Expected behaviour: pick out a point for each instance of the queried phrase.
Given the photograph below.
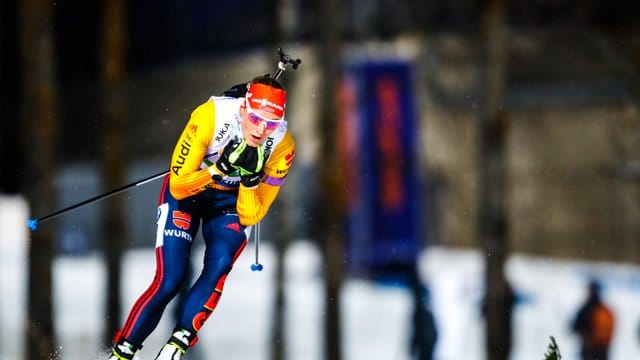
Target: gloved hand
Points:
(250, 180)
(248, 160)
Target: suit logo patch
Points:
(289, 157)
(181, 219)
(234, 226)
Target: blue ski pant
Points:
(178, 222)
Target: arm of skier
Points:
(254, 202)
(186, 177)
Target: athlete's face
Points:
(257, 125)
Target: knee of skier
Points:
(223, 264)
(218, 266)
(170, 286)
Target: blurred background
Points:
(464, 170)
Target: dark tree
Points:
(40, 118)
(492, 134)
(113, 145)
(329, 212)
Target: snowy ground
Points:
(376, 317)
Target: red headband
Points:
(267, 98)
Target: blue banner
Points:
(378, 134)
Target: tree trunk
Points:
(280, 237)
(40, 115)
(330, 219)
(11, 159)
(114, 156)
(493, 220)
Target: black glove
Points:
(250, 180)
(247, 160)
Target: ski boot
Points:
(123, 350)
(177, 345)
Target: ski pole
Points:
(256, 266)
(33, 223)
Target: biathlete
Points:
(226, 170)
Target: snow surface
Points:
(376, 317)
